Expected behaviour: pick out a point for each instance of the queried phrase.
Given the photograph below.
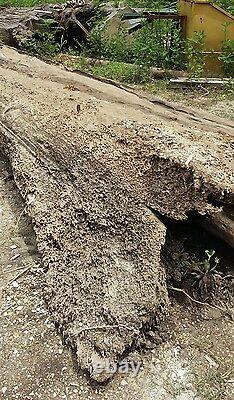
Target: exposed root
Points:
(223, 310)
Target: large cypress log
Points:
(91, 160)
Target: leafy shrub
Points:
(123, 72)
(195, 54)
(42, 44)
(227, 5)
(115, 47)
(156, 44)
(227, 54)
(227, 57)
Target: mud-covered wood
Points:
(91, 161)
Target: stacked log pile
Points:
(20, 24)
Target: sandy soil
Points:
(217, 101)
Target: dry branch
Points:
(201, 303)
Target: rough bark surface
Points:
(221, 224)
(19, 24)
(91, 161)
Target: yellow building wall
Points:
(204, 16)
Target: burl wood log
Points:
(95, 176)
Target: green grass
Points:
(213, 385)
(28, 3)
(118, 71)
(122, 72)
(152, 4)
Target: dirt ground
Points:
(194, 363)
(218, 101)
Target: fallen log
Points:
(94, 172)
(221, 225)
(104, 283)
(18, 25)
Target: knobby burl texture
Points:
(89, 179)
(99, 241)
(101, 253)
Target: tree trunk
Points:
(19, 24)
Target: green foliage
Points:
(115, 47)
(113, 70)
(227, 57)
(156, 44)
(28, 3)
(227, 54)
(227, 5)
(195, 54)
(151, 4)
(42, 44)
(123, 72)
(46, 41)
(204, 273)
